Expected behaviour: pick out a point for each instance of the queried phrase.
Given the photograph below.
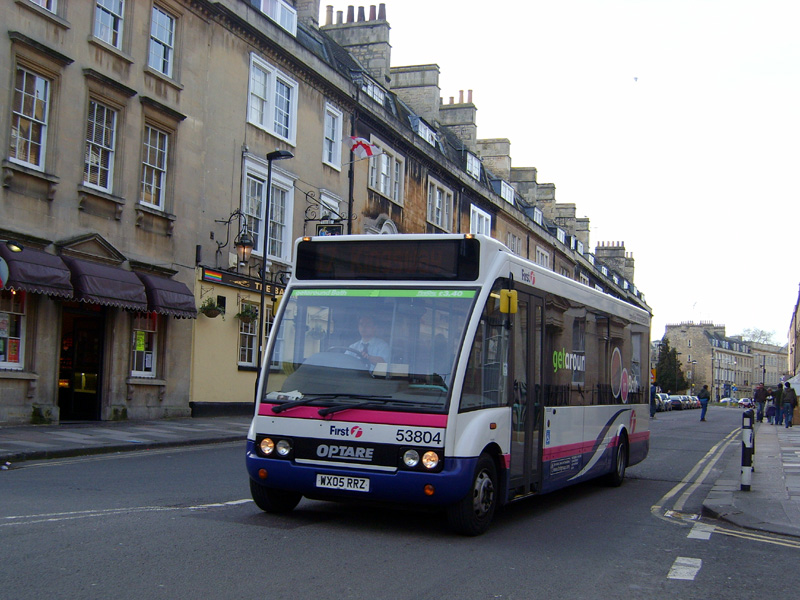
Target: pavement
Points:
(772, 504)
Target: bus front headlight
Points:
(430, 459)
(266, 446)
(283, 447)
(411, 458)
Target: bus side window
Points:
(485, 384)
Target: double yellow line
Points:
(693, 478)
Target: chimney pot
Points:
(469, 96)
(351, 14)
(361, 14)
(339, 17)
(329, 14)
(382, 11)
(461, 96)
(372, 12)
(451, 99)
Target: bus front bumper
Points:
(405, 487)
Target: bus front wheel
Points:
(273, 501)
(473, 514)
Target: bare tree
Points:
(760, 336)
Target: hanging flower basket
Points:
(210, 308)
(247, 314)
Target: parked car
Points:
(663, 403)
(695, 401)
(676, 402)
(747, 403)
(728, 401)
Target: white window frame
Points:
(263, 100)
(480, 221)
(282, 13)
(161, 53)
(154, 167)
(48, 5)
(253, 198)
(248, 338)
(561, 235)
(39, 118)
(473, 166)
(387, 172)
(426, 133)
(101, 140)
(507, 192)
(12, 307)
(109, 21)
(141, 322)
(328, 206)
(514, 243)
(584, 279)
(373, 90)
(281, 205)
(542, 257)
(538, 216)
(332, 137)
(440, 204)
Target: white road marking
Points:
(701, 531)
(89, 514)
(685, 568)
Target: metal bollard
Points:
(747, 449)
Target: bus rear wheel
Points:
(473, 514)
(274, 501)
(617, 476)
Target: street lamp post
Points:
(272, 156)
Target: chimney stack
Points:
(366, 40)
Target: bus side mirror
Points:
(508, 302)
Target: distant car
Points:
(676, 402)
(746, 403)
(696, 401)
(727, 401)
(663, 402)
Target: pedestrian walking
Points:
(770, 406)
(778, 404)
(704, 395)
(789, 404)
(653, 391)
(760, 398)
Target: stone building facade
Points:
(730, 366)
(136, 161)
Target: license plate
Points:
(338, 482)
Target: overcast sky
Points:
(674, 125)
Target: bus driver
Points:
(373, 350)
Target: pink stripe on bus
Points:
(356, 415)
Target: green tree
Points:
(669, 376)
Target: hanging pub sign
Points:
(331, 229)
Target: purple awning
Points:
(168, 297)
(98, 283)
(36, 271)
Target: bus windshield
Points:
(383, 348)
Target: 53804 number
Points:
(415, 436)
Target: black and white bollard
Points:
(747, 449)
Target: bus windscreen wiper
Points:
(301, 400)
(364, 401)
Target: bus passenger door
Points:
(526, 419)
